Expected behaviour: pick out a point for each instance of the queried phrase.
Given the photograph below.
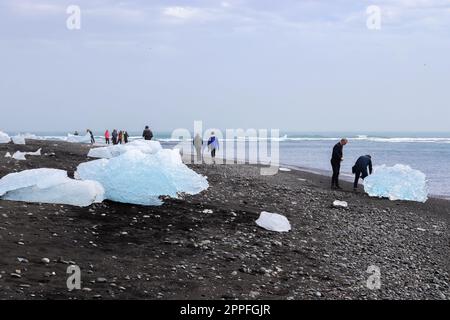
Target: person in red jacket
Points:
(107, 136)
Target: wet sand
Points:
(208, 246)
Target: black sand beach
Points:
(208, 246)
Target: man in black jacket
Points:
(336, 159)
(360, 169)
(147, 134)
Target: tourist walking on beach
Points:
(125, 137)
(92, 135)
(213, 145)
(147, 133)
(114, 136)
(107, 136)
(120, 136)
(198, 144)
(360, 169)
(336, 159)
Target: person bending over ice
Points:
(360, 169)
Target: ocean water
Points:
(428, 152)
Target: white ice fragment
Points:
(147, 147)
(35, 153)
(140, 178)
(207, 211)
(284, 169)
(19, 155)
(8, 155)
(273, 222)
(340, 204)
(4, 138)
(399, 182)
(50, 186)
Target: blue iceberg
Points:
(399, 182)
(141, 178)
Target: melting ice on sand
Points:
(50, 186)
(140, 173)
(399, 182)
(273, 222)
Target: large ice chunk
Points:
(140, 178)
(273, 222)
(148, 147)
(4, 138)
(50, 186)
(399, 182)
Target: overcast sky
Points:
(294, 65)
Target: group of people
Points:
(213, 145)
(116, 137)
(361, 169)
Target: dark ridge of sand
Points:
(180, 251)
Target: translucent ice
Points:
(8, 155)
(50, 186)
(148, 147)
(140, 178)
(4, 138)
(273, 222)
(399, 182)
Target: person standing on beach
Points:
(125, 137)
(114, 136)
(360, 169)
(107, 136)
(147, 133)
(120, 137)
(92, 135)
(336, 159)
(198, 144)
(213, 145)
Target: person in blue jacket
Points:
(213, 145)
(360, 169)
